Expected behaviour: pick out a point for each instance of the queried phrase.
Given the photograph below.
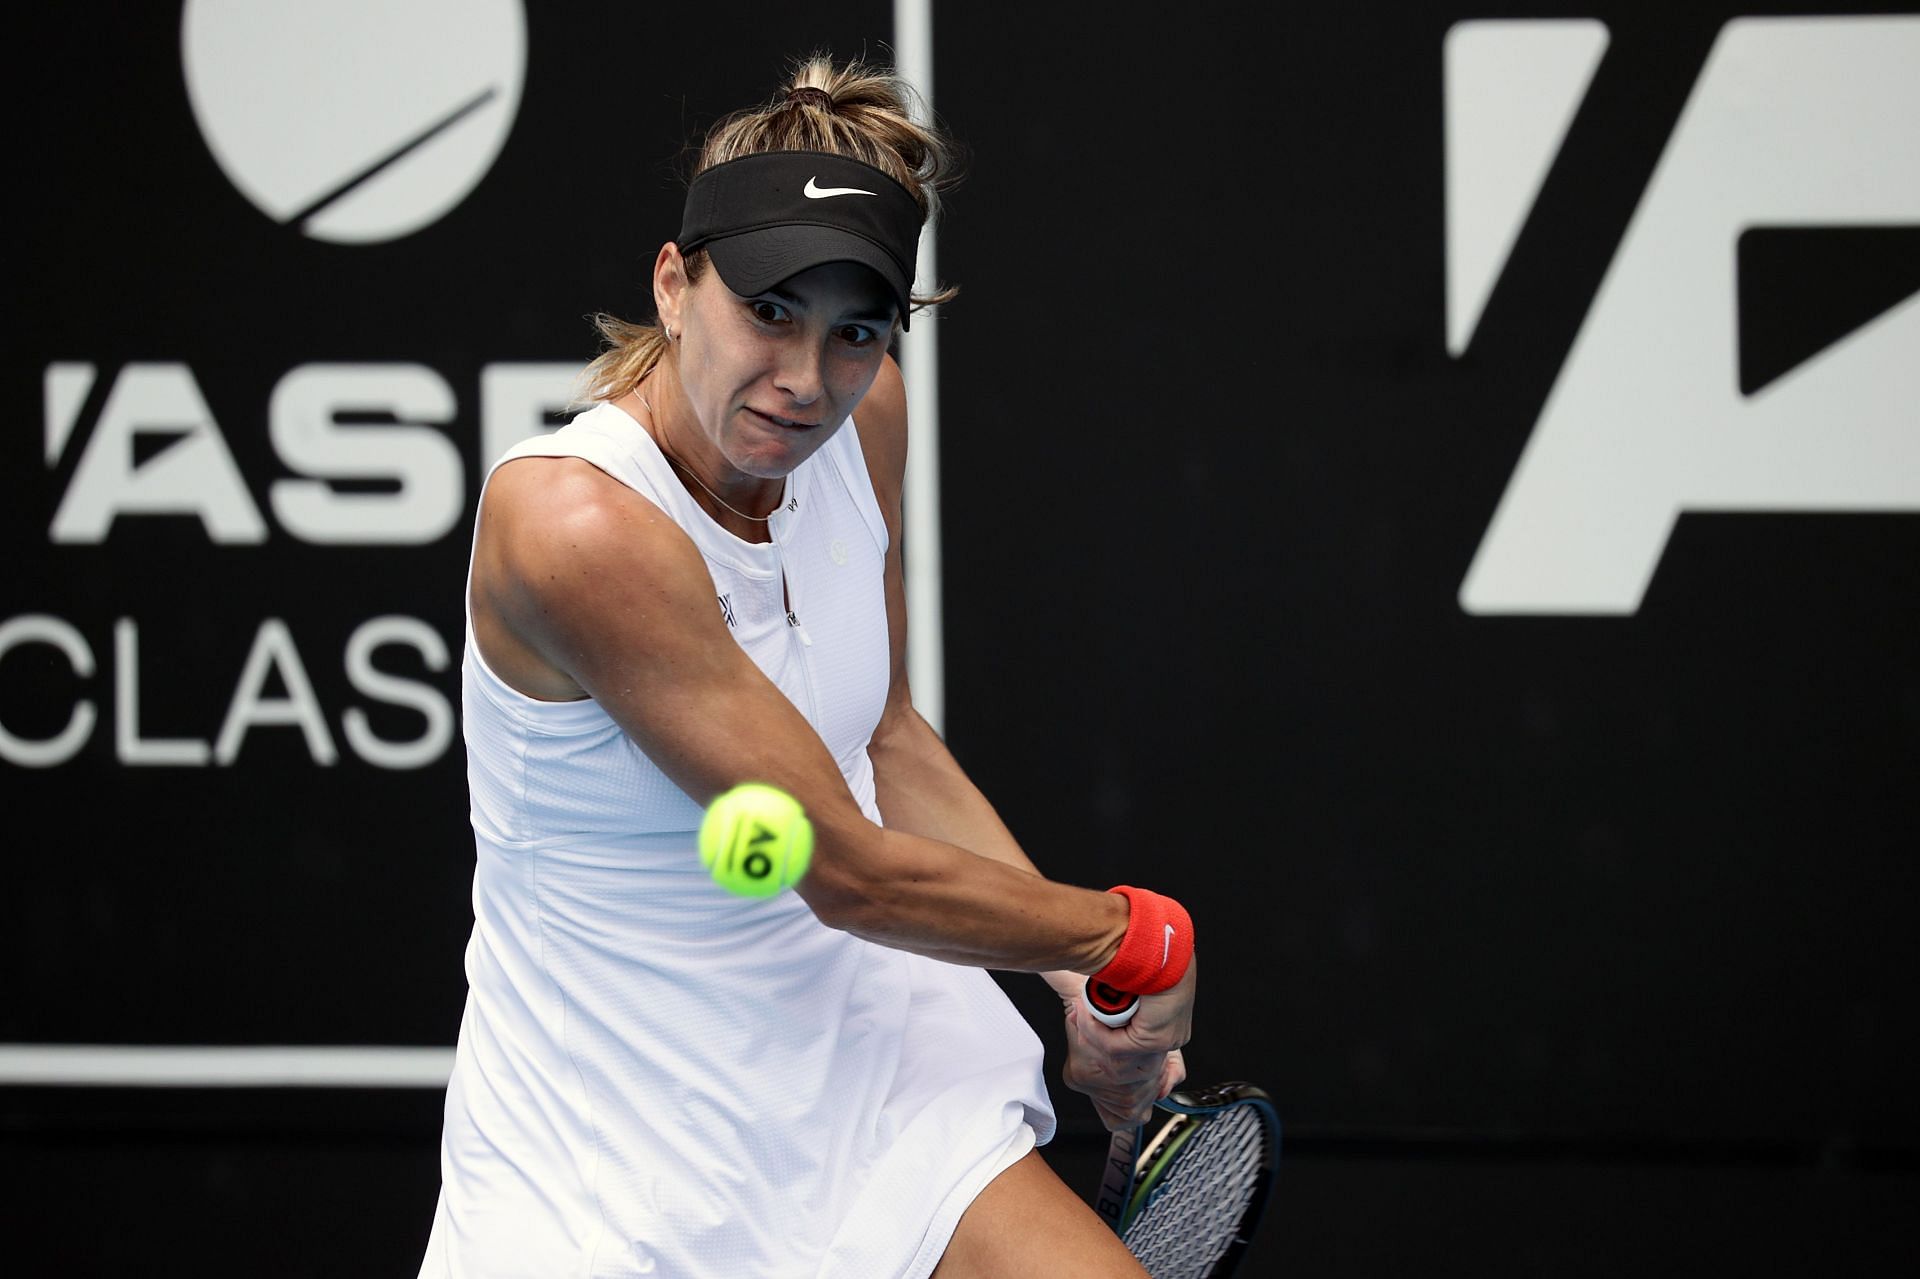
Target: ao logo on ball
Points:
(356, 120)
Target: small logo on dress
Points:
(793, 504)
(838, 550)
(726, 608)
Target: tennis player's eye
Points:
(856, 334)
(768, 312)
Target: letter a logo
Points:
(1794, 124)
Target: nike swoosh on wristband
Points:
(813, 192)
(1167, 948)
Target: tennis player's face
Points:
(773, 376)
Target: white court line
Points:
(135, 1066)
(290, 1066)
(920, 363)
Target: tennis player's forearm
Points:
(922, 790)
(933, 899)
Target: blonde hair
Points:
(859, 110)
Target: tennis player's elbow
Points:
(845, 890)
(829, 901)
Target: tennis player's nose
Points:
(801, 377)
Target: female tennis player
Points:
(695, 583)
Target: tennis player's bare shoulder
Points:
(882, 423)
(565, 552)
(537, 506)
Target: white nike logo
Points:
(1168, 948)
(813, 192)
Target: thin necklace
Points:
(688, 471)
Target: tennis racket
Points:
(1186, 1201)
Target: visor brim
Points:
(754, 261)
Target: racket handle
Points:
(1109, 1005)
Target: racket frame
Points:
(1134, 1174)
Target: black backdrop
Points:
(1566, 942)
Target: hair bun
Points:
(809, 96)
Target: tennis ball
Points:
(756, 840)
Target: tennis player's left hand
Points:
(1123, 1070)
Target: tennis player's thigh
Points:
(1027, 1225)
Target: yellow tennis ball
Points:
(756, 840)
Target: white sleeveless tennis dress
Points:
(655, 1077)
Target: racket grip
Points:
(1109, 1005)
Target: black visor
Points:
(765, 217)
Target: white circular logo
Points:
(356, 120)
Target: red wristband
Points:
(1154, 954)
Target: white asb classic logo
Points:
(356, 120)
(196, 475)
(1794, 122)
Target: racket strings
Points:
(1197, 1211)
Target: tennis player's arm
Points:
(920, 787)
(597, 584)
(922, 790)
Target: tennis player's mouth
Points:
(787, 422)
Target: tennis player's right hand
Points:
(1123, 1070)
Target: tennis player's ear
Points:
(669, 285)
